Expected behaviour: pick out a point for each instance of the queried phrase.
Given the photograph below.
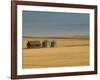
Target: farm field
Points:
(69, 52)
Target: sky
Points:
(40, 23)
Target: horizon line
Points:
(58, 37)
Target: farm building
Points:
(33, 44)
(46, 44)
(53, 43)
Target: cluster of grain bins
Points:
(43, 44)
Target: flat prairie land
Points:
(69, 52)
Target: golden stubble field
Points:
(69, 52)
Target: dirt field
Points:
(69, 52)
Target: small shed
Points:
(33, 44)
(46, 44)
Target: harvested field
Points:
(69, 52)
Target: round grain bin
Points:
(46, 44)
(43, 44)
(53, 43)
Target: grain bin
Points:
(46, 44)
(53, 43)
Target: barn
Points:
(33, 44)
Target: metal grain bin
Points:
(53, 43)
(46, 44)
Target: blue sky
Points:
(39, 23)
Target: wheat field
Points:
(69, 52)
